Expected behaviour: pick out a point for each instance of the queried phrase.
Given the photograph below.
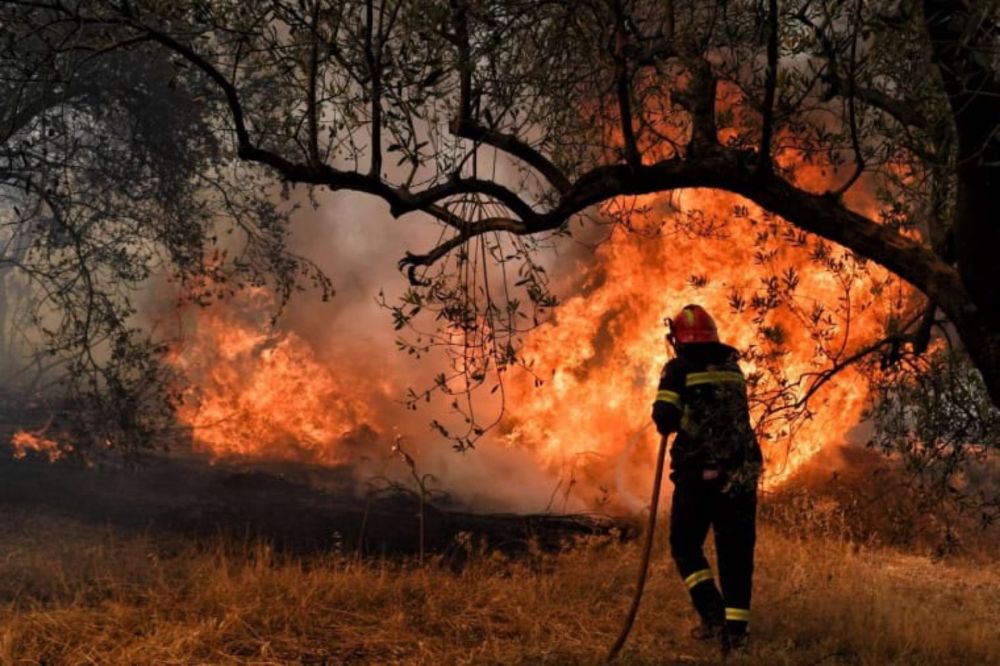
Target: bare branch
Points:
(623, 89)
(852, 116)
(905, 114)
(411, 262)
(375, 76)
(465, 63)
(311, 108)
(698, 98)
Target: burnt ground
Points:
(294, 508)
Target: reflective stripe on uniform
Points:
(669, 396)
(738, 614)
(698, 577)
(718, 377)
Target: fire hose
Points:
(646, 552)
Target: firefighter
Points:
(715, 462)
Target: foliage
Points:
(110, 175)
(506, 123)
(933, 411)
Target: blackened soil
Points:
(295, 508)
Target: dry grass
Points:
(72, 594)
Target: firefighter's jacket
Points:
(702, 396)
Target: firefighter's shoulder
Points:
(674, 372)
(733, 355)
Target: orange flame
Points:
(256, 394)
(602, 353)
(24, 441)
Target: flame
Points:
(24, 441)
(601, 355)
(256, 394)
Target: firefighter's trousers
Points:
(732, 513)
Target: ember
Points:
(24, 441)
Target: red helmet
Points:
(692, 324)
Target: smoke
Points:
(345, 350)
(354, 240)
(578, 440)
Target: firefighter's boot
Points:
(706, 631)
(734, 642)
(708, 602)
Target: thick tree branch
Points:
(623, 90)
(311, 107)
(770, 87)
(375, 76)
(961, 45)
(961, 41)
(401, 200)
(465, 64)
(727, 170)
(905, 114)
(411, 262)
(852, 115)
(706, 164)
(510, 144)
(698, 98)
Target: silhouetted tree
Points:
(506, 121)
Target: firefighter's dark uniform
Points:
(702, 397)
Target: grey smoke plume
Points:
(355, 241)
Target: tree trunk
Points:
(962, 50)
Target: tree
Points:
(505, 121)
(106, 176)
